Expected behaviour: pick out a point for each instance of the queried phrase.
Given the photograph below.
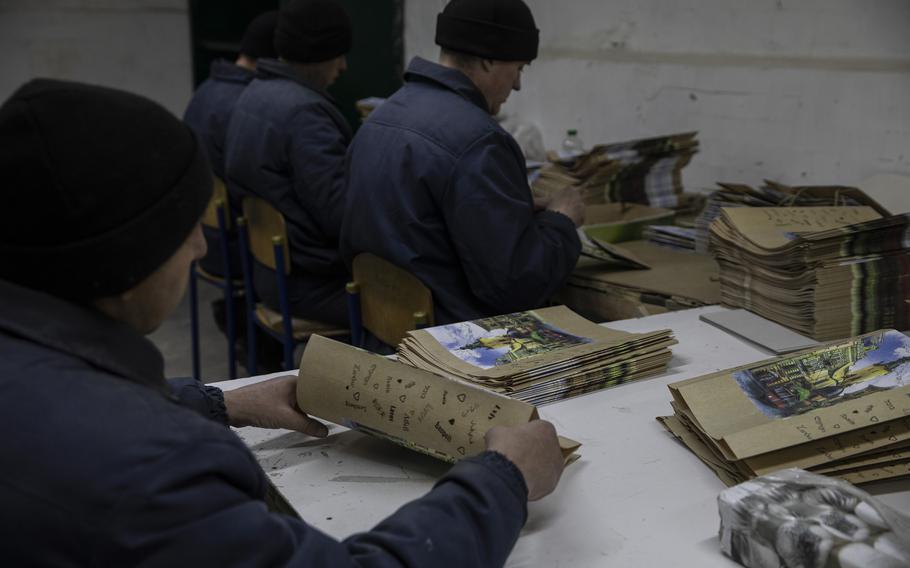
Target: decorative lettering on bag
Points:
(370, 371)
(423, 413)
(445, 435)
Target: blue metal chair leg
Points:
(231, 328)
(228, 288)
(194, 322)
(355, 317)
(288, 335)
(250, 297)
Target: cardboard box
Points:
(618, 222)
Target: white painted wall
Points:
(141, 46)
(800, 91)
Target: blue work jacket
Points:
(286, 144)
(208, 115)
(104, 463)
(209, 111)
(438, 188)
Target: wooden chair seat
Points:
(301, 328)
(386, 300)
(263, 234)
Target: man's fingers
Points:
(293, 419)
(312, 427)
(541, 202)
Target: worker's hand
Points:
(271, 404)
(568, 202)
(541, 202)
(534, 449)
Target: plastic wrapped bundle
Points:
(797, 519)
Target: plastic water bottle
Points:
(572, 146)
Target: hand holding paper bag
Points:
(534, 449)
(444, 417)
(270, 404)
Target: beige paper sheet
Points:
(558, 316)
(860, 448)
(724, 412)
(731, 473)
(875, 473)
(701, 451)
(673, 274)
(767, 227)
(443, 417)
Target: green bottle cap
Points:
(572, 132)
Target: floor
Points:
(174, 341)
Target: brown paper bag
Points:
(443, 417)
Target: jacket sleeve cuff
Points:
(206, 400)
(559, 221)
(504, 469)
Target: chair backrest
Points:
(219, 200)
(265, 224)
(389, 298)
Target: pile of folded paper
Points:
(537, 356)
(671, 236)
(825, 272)
(773, 194)
(835, 409)
(645, 171)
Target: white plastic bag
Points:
(796, 519)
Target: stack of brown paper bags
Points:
(637, 171)
(619, 222)
(537, 356)
(840, 410)
(671, 236)
(825, 272)
(608, 254)
(676, 280)
(438, 416)
(774, 194)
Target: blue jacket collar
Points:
(275, 69)
(81, 332)
(452, 79)
(224, 70)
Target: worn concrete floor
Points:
(174, 340)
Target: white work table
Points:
(636, 497)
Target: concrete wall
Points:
(138, 45)
(801, 91)
(810, 91)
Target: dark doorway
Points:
(375, 64)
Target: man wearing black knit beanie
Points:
(210, 111)
(446, 187)
(286, 145)
(105, 463)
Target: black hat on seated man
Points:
(312, 31)
(259, 36)
(491, 29)
(100, 187)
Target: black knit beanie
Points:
(259, 36)
(100, 187)
(310, 31)
(492, 29)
